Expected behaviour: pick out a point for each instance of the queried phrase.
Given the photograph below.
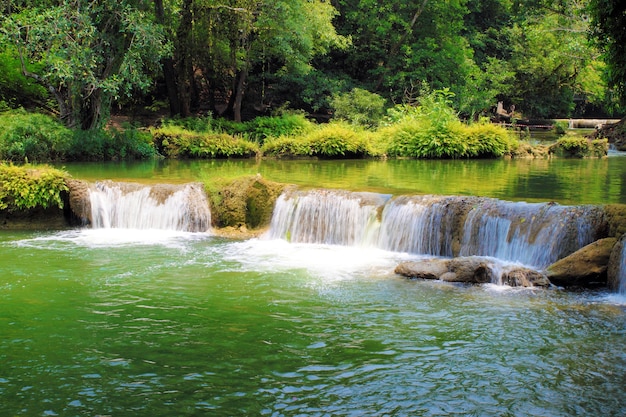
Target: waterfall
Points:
(326, 216)
(419, 224)
(534, 234)
(621, 272)
(137, 206)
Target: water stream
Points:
(152, 318)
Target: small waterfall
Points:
(137, 206)
(621, 272)
(419, 224)
(534, 234)
(326, 216)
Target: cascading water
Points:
(419, 224)
(621, 273)
(136, 206)
(326, 216)
(534, 234)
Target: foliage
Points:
(175, 142)
(333, 140)
(29, 187)
(15, 88)
(579, 147)
(359, 107)
(32, 137)
(488, 140)
(433, 130)
(106, 145)
(608, 20)
(86, 54)
(262, 128)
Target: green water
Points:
(151, 323)
(591, 181)
(125, 324)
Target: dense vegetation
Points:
(398, 77)
(29, 187)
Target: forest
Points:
(362, 61)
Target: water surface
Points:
(566, 181)
(147, 323)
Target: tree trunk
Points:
(184, 62)
(169, 73)
(241, 83)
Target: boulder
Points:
(423, 269)
(587, 267)
(524, 277)
(617, 265)
(79, 201)
(472, 270)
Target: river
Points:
(145, 322)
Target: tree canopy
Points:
(240, 58)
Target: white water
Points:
(134, 206)
(532, 234)
(417, 225)
(621, 273)
(535, 234)
(327, 217)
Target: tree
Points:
(86, 54)
(219, 44)
(608, 30)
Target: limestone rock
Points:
(585, 267)
(425, 269)
(524, 277)
(473, 270)
(79, 202)
(617, 264)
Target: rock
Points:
(424, 269)
(472, 269)
(524, 277)
(617, 264)
(79, 202)
(586, 267)
(247, 201)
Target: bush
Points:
(334, 140)
(176, 142)
(579, 147)
(103, 145)
(359, 107)
(28, 187)
(32, 137)
(262, 128)
(488, 140)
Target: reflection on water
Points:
(192, 325)
(566, 181)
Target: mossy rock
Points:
(616, 219)
(243, 202)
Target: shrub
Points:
(359, 107)
(579, 147)
(32, 137)
(262, 128)
(28, 187)
(177, 142)
(334, 140)
(488, 140)
(101, 145)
